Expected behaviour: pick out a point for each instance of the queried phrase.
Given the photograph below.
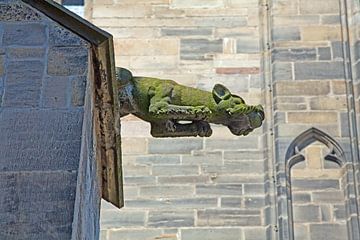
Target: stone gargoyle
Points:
(174, 110)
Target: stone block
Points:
(211, 233)
(301, 197)
(32, 34)
(211, 158)
(248, 45)
(312, 117)
(158, 219)
(171, 170)
(257, 233)
(337, 49)
(196, 4)
(338, 87)
(339, 212)
(293, 54)
(228, 217)
(139, 180)
(134, 145)
(328, 197)
(172, 203)
(219, 189)
(255, 189)
(17, 53)
(54, 93)
(115, 219)
(184, 179)
(249, 142)
(134, 234)
(324, 53)
(301, 231)
(319, 70)
(151, 63)
(320, 33)
(294, 20)
(329, 103)
(302, 88)
(60, 36)
(328, 231)
(231, 202)
(313, 184)
(158, 159)
(345, 131)
(245, 167)
(122, 10)
(47, 140)
(18, 12)
(186, 32)
(321, 7)
(23, 82)
(330, 19)
(78, 87)
(326, 213)
(256, 202)
(197, 49)
(136, 170)
(166, 191)
(173, 146)
(282, 71)
(243, 155)
(286, 34)
(67, 61)
(146, 47)
(306, 213)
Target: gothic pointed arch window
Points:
(316, 189)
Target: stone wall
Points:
(43, 76)
(189, 188)
(292, 56)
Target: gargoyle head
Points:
(240, 118)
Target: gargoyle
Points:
(174, 110)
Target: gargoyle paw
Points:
(170, 126)
(204, 129)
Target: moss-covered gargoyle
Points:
(174, 110)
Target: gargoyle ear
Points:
(220, 92)
(123, 75)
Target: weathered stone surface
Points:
(321, 33)
(196, 4)
(330, 19)
(114, 218)
(294, 54)
(324, 53)
(286, 34)
(171, 219)
(54, 93)
(322, 6)
(306, 213)
(60, 36)
(158, 159)
(78, 86)
(134, 234)
(174, 145)
(319, 70)
(183, 179)
(47, 140)
(328, 231)
(66, 61)
(50, 194)
(2, 64)
(281, 71)
(211, 233)
(247, 45)
(337, 49)
(18, 12)
(228, 217)
(312, 117)
(229, 167)
(166, 191)
(171, 170)
(196, 49)
(23, 81)
(182, 203)
(328, 197)
(249, 142)
(25, 53)
(314, 184)
(186, 31)
(32, 34)
(219, 189)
